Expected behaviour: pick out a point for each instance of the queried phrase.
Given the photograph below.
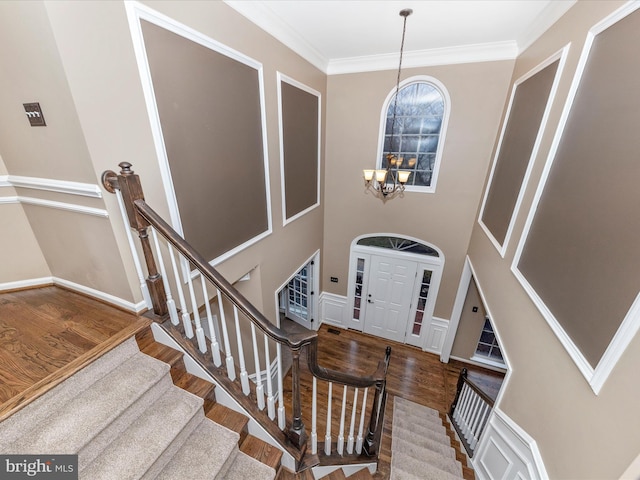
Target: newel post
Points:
(131, 189)
(297, 433)
(461, 378)
(370, 446)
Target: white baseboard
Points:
(507, 452)
(91, 292)
(29, 283)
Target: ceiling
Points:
(346, 36)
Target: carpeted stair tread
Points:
(433, 431)
(428, 443)
(414, 408)
(246, 468)
(434, 459)
(207, 454)
(430, 421)
(405, 467)
(14, 427)
(98, 407)
(145, 447)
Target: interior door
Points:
(391, 285)
(298, 304)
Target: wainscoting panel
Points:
(436, 333)
(333, 309)
(506, 452)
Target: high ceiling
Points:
(341, 36)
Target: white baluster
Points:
(360, 438)
(475, 429)
(314, 419)
(473, 424)
(327, 437)
(461, 405)
(342, 414)
(354, 407)
(215, 346)
(231, 369)
(202, 344)
(136, 260)
(256, 359)
(186, 319)
(171, 304)
(281, 409)
(244, 376)
(271, 407)
(469, 414)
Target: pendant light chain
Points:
(405, 14)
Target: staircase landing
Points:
(50, 333)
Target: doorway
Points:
(393, 285)
(297, 299)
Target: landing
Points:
(49, 333)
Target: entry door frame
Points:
(435, 264)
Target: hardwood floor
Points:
(413, 374)
(49, 333)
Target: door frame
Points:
(314, 286)
(435, 264)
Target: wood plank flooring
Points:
(413, 374)
(49, 333)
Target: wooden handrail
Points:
(141, 216)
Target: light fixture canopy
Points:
(389, 182)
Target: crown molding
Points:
(550, 15)
(486, 52)
(262, 16)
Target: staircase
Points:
(421, 448)
(126, 419)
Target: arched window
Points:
(413, 130)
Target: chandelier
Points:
(389, 182)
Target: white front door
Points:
(391, 286)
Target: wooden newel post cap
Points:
(125, 168)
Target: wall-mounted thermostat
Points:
(34, 114)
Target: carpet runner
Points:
(420, 447)
(125, 419)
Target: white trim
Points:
(631, 323)
(106, 297)
(456, 312)
(551, 14)
(486, 52)
(28, 283)
(486, 361)
(71, 207)
(4, 181)
(52, 185)
(517, 447)
(136, 12)
(8, 200)
(91, 292)
(501, 369)
(262, 16)
(560, 55)
(441, 136)
(333, 308)
(281, 77)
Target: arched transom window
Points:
(416, 134)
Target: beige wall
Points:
(97, 53)
(470, 326)
(20, 254)
(579, 434)
(445, 218)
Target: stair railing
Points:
(469, 412)
(212, 321)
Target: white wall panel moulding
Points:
(52, 185)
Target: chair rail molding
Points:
(53, 185)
